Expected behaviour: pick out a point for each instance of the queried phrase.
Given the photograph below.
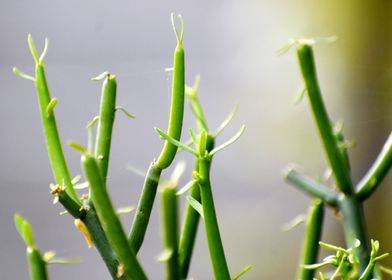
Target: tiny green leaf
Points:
(229, 142)
(228, 120)
(122, 109)
(242, 272)
(27, 234)
(185, 188)
(101, 76)
(22, 75)
(165, 255)
(49, 109)
(175, 142)
(196, 205)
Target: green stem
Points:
(334, 155)
(188, 233)
(313, 231)
(146, 201)
(217, 254)
(191, 221)
(110, 221)
(170, 230)
(53, 143)
(177, 104)
(101, 243)
(312, 187)
(105, 124)
(377, 172)
(37, 265)
(144, 208)
(355, 228)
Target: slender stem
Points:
(313, 231)
(101, 243)
(37, 265)
(144, 208)
(110, 221)
(188, 233)
(377, 172)
(312, 187)
(170, 230)
(105, 124)
(217, 254)
(355, 228)
(146, 201)
(191, 221)
(53, 143)
(177, 106)
(334, 155)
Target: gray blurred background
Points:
(232, 44)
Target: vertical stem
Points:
(144, 208)
(105, 124)
(110, 221)
(101, 243)
(355, 228)
(37, 265)
(313, 231)
(336, 161)
(53, 143)
(170, 230)
(188, 233)
(191, 217)
(217, 254)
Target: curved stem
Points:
(368, 185)
(313, 231)
(334, 155)
(217, 254)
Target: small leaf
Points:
(27, 233)
(101, 76)
(93, 122)
(195, 205)
(81, 186)
(175, 142)
(22, 75)
(296, 221)
(185, 188)
(229, 142)
(76, 179)
(228, 120)
(83, 229)
(77, 147)
(49, 109)
(125, 210)
(242, 272)
(19, 224)
(165, 255)
(300, 95)
(43, 54)
(122, 109)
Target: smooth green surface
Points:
(217, 254)
(377, 172)
(355, 228)
(313, 231)
(311, 187)
(334, 155)
(144, 208)
(110, 221)
(105, 124)
(176, 108)
(191, 218)
(100, 241)
(37, 265)
(169, 213)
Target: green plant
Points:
(345, 199)
(94, 213)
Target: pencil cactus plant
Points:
(96, 218)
